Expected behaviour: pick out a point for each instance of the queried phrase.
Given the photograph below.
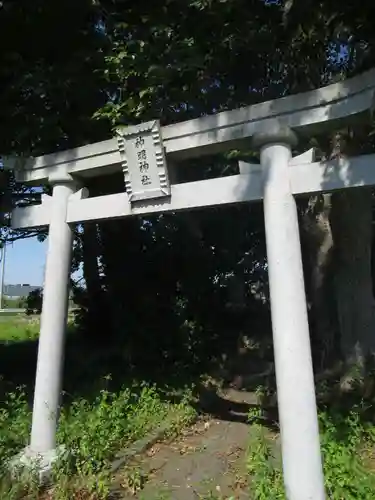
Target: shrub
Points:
(344, 441)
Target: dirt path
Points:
(207, 459)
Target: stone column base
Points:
(36, 465)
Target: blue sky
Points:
(25, 261)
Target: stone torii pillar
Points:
(42, 448)
(301, 456)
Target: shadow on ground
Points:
(90, 367)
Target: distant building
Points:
(18, 291)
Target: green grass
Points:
(94, 428)
(93, 432)
(14, 303)
(347, 444)
(96, 424)
(18, 328)
(9, 316)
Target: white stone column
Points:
(301, 455)
(53, 324)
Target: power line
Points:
(2, 260)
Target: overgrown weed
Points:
(93, 432)
(19, 329)
(347, 445)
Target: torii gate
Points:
(143, 153)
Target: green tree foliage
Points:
(50, 80)
(51, 59)
(34, 302)
(166, 284)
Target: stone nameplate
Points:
(143, 161)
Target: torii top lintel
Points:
(321, 109)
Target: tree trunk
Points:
(114, 266)
(319, 245)
(90, 254)
(339, 228)
(351, 222)
(339, 234)
(94, 293)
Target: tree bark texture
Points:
(339, 235)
